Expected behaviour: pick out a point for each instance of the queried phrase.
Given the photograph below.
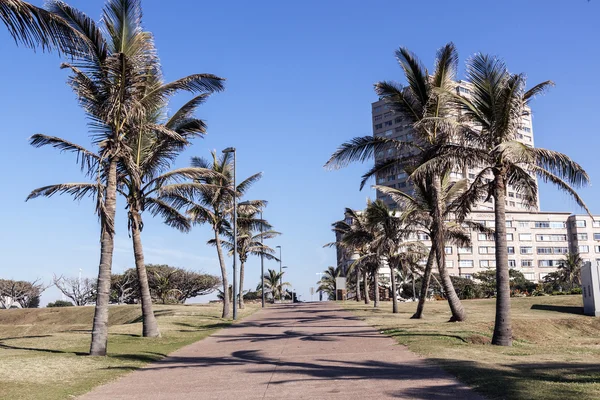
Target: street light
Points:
(234, 286)
(262, 262)
(320, 275)
(282, 292)
(280, 272)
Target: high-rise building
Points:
(386, 123)
(537, 241)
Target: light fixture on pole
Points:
(262, 262)
(280, 274)
(234, 286)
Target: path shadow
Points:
(561, 309)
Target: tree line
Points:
(116, 75)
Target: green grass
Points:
(555, 355)
(42, 351)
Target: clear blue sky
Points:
(299, 82)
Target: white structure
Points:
(590, 285)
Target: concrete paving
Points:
(300, 351)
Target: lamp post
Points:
(234, 286)
(262, 264)
(280, 272)
(282, 292)
(320, 275)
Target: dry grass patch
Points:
(556, 352)
(43, 351)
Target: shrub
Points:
(576, 291)
(60, 303)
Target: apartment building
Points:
(387, 124)
(537, 241)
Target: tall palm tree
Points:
(273, 284)
(110, 81)
(427, 108)
(491, 118)
(210, 201)
(248, 241)
(570, 270)
(327, 282)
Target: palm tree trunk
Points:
(149, 324)
(502, 327)
(366, 286)
(425, 284)
(357, 271)
(439, 238)
(241, 294)
(225, 313)
(376, 285)
(394, 290)
(100, 325)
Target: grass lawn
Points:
(42, 351)
(555, 355)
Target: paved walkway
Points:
(304, 351)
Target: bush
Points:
(576, 290)
(60, 303)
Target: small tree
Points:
(25, 294)
(124, 288)
(81, 291)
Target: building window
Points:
(580, 236)
(423, 236)
(530, 276)
(378, 126)
(542, 224)
(512, 263)
(471, 176)
(389, 132)
(580, 224)
(378, 118)
(525, 237)
(448, 249)
(487, 250)
(523, 224)
(596, 224)
(558, 225)
(487, 263)
(485, 237)
(377, 109)
(465, 250)
(387, 123)
(449, 264)
(402, 185)
(551, 238)
(544, 250)
(387, 114)
(526, 250)
(561, 250)
(509, 224)
(510, 249)
(526, 263)
(465, 263)
(511, 194)
(402, 175)
(398, 120)
(549, 263)
(509, 237)
(597, 249)
(584, 249)
(596, 236)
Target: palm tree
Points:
(425, 106)
(327, 282)
(491, 118)
(356, 237)
(37, 27)
(210, 201)
(273, 283)
(416, 213)
(248, 241)
(111, 82)
(390, 232)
